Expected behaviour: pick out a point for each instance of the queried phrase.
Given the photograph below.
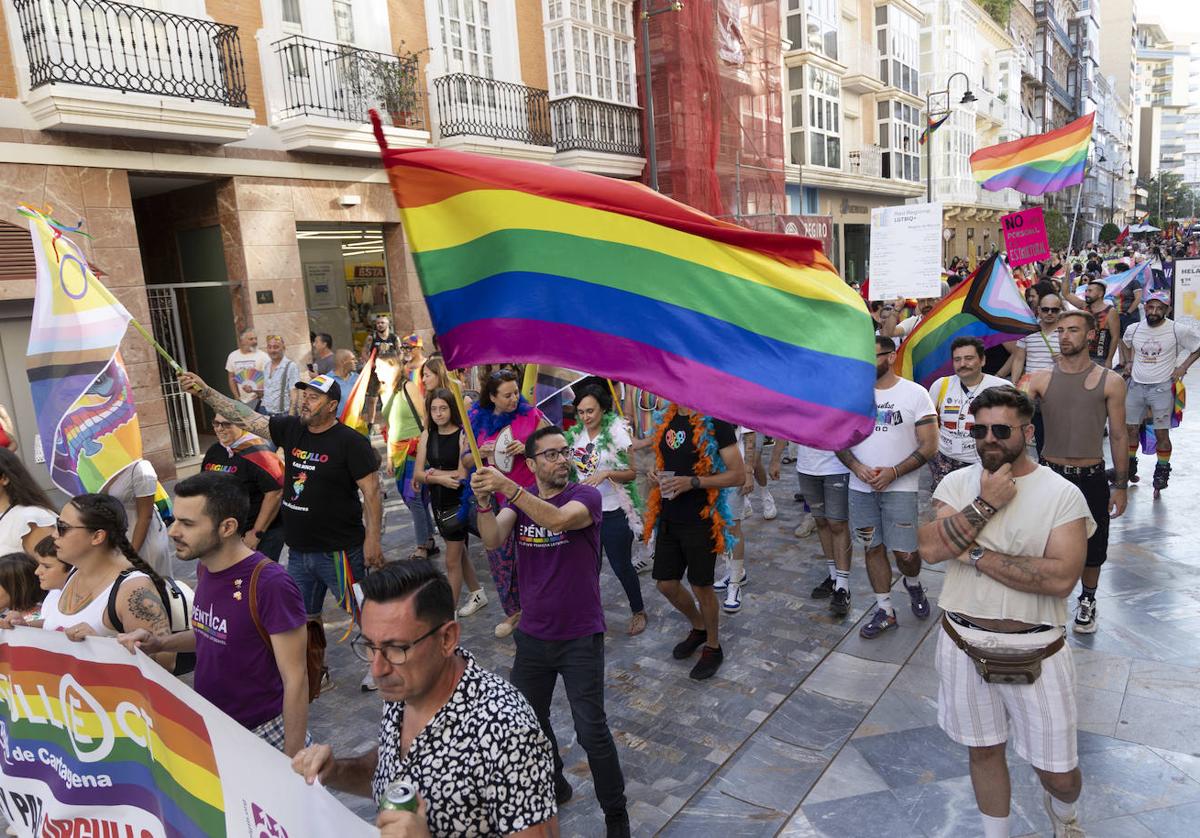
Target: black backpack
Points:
(177, 602)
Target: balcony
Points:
(1060, 93)
(867, 161)
(862, 73)
(601, 137)
(486, 115)
(1044, 12)
(327, 91)
(97, 66)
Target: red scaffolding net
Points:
(718, 107)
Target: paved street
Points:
(809, 731)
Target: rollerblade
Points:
(1133, 475)
(1162, 474)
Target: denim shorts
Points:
(1158, 399)
(884, 518)
(826, 495)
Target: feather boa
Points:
(489, 423)
(627, 494)
(718, 509)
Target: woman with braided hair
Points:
(90, 536)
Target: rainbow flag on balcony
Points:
(1036, 165)
(539, 264)
(932, 126)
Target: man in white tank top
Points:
(1014, 536)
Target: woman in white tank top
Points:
(91, 538)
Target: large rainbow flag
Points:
(987, 305)
(538, 264)
(1036, 165)
(86, 417)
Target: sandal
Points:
(637, 624)
(419, 553)
(431, 549)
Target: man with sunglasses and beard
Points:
(1038, 352)
(561, 630)
(1014, 535)
(1078, 398)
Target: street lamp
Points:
(943, 97)
(647, 13)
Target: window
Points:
(467, 36)
(795, 79)
(343, 21)
(899, 131)
(590, 44)
(821, 27)
(291, 11)
(823, 122)
(898, 36)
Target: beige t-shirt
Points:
(1043, 502)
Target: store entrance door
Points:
(858, 252)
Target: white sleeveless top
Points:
(93, 614)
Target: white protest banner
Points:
(97, 742)
(906, 251)
(1187, 291)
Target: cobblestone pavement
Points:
(809, 731)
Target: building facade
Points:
(220, 156)
(853, 108)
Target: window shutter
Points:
(16, 253)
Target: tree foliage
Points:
(999, 10)
(1109, 233)
(1058, 229)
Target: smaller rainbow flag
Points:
(1116, 283)
(933, 125)
(1146, 431)
(988, 305)
(258, 451)
(1036, 165)
(356, 402)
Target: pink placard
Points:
(1025, 237)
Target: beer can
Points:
(399, 796)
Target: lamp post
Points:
(647, 13)
(943, 97)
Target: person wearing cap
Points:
(1150, 361)
(326, 465)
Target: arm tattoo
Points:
(236, 411)
(847, 458)
(143, 604)
(958, 531)
(926, 420)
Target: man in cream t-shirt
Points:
(1014, 536)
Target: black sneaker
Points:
(710, 661)
(840, 604)
(684, 648)
(562, 791)
(824, 590)
(617, 826)
(1162, 474)
(1133, 475)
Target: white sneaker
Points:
(1062, 828)
(747, 509)
(477, 599)
(808, 525)
(769, 510)
(368, 683)
(642, 565)
(733, 599)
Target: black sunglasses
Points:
(998, 431)
(1050, 310)
(62, 527)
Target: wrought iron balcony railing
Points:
(343, 83)
(591, 125)
(101, 43)
(475, 106)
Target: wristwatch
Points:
(975, 554)
(695, 482)
(257, 533)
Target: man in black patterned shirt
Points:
(444, 717)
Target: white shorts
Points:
(1043, 716)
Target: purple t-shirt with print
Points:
(560, 572)
(234, 668)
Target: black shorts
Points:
(1094, 486)
(458, 532)
(680, 547)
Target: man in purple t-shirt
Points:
(263, 687)
(562, 620)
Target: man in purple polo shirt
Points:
(562, 621)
